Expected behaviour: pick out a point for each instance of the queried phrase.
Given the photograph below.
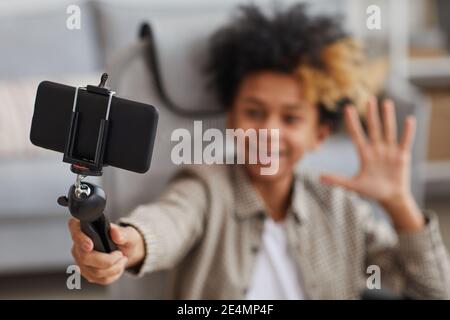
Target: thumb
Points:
(337, 180)
(120, 235)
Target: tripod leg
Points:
(98, 231)
(104, 226)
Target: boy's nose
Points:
(272, 122)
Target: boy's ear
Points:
(229, 118)
(323, 132)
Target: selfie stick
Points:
(87, 201)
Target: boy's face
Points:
(271, 100)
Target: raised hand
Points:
(384, 163)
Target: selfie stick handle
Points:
(87, 201)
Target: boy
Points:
(229, 232)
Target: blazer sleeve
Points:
(417, 264)
(172, 225)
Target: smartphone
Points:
(131, 132)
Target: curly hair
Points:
(328, 64)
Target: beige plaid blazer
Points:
(207, 228)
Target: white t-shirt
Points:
(275, 275)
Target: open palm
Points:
(384, 162)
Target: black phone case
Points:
(131, 133)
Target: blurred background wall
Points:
(36, 45)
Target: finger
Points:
(90, 276)
(78, 236)
(109, 280)
(121, 235)
(389, 121)
(354, 128)
(74, 225)
(373, 121)
(96, 273)
(408, 133)
(337, 180)
(97, 259)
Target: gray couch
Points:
(35, 45)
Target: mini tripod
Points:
(87, 201)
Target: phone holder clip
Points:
(79, 165)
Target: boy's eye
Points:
(254, 113)
(291, 119)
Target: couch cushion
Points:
(34, 39)
(16, 111)
(31, 186)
